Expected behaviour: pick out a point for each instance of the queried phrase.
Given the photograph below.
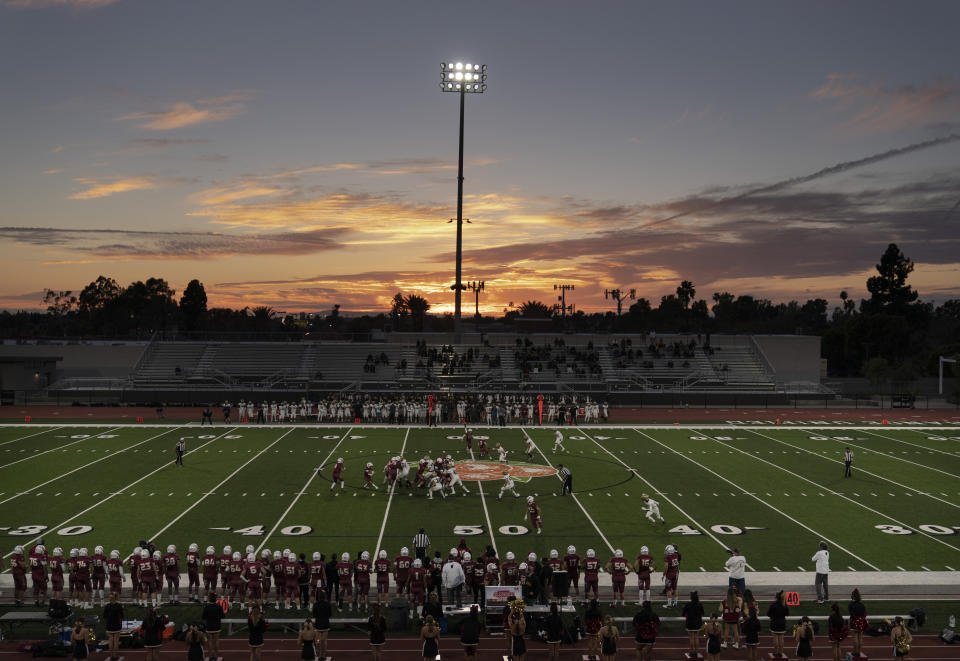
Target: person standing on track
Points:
(847, 462)
(822, 558)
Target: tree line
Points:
(892, 335)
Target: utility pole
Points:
(476, 288)
(561, 305)
(619, 295)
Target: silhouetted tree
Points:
(193, 306)
(535, 309)
(418, 307)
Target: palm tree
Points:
(685, 293)
(535, 309)
(418, 306)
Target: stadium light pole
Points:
(619, 295)
(461, 78)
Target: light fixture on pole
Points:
(462, 78)
(561, 305)
(619, 295)
(476, 288)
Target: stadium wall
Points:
(792, 357)
(94, 360)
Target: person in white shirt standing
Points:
(822, 559)
(736, 564)
(453, 579)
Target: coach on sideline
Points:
(567, 478)
(736, 564)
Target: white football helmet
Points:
(236, 556)
(345, 557)
(554, 553)
(529, 499)
(339, 460)
(83, 551)
(523, 566)
(18, 549)
(316, 555)
(249, 548)
(227, 550)
(75, 552)
(531, 557)
(115, 554)
(591, 553)
(510, 555)
(470, 430)
(454, 552)
(382, 555)
(156, 555)
(572, 550)
(670, 550)
(369, 464)
(193, 547)
(292, 557)
(277, 555)
(211, 550)
(644, 550)
(39, 548)
(618, 553)
(265, 553)
(466, 556)
(136, 550)
(251, 557)
(57, 550)
(171, 549)
(286, 552)
(98, 550)
(449, 458)
(365, 555)
(404, 551)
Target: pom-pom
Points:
(517, 606)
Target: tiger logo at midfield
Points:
(491, 470)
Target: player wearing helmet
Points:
(171, 571)
(37, 559)
(643, 567)
(507, 486)
(468, 564)
(133, 563)
(671, 574)
(509, 570)
(253, 576)
(317, 570)
(209, 564)
(534, 514)
(115, 574)
(468, 439)
(434, 486)
(224, 569)
(291, 577)
(572, 563)
(453, 479)
(147, 571)
(362, 569)
(83, 578)
(591, 575)
(368, 472)
(417, 583)
(558, 441)
(482, 449)
(18, 567)
(276, 571)
(193, 573)
(98, 563)
(381, 566)
(345, 578)
(401, 570)
(530, 449)
(618, 568)
(502, 452)
(652, 509)
(559, 583)
(57, 565)
(337, 475)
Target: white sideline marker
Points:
(393, 487)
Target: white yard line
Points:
(486, 512)
(862, 470)
(915, 445)
(211, 491)
(59, 447)
(700, 526)
(828, 489)
(575, 499)
(166, 464)
(393, 488)
(303, 490)
(45, 431)
(112, 454)
(819, 535)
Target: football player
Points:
(193, 572)
(644, 566)
(318, 576)
(558, 441)
(531, 448)
(382, 568)
(618, 568)
(345, 577)
(454, 479)
(416, 583)
(38, 573)
(435, 485)
(401, 570)
(83, 578)
(482, 447)
(502, 452)
(171, 572)
(210, 563)
(224, 568)
(133, 563)
(114, 573)
(591, 575)
(556, 568)
(507, 486)
(652, 508)
(291, 577)
(368, 471)
(363, 567)
(671, 574)
(99, 563)
(534, 514)
(253, 575)
(509, 571)
(468, 438)
(57, 565)
(18, 567)
(572, 562)
(337, 475)
(146, 571)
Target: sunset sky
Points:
(299, 153)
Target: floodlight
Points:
(453, 72)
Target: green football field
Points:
(774, 492)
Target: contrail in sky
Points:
(819, 174)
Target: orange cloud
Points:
(183, 113)
(97, 189)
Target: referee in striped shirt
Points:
(181, 447)
(420, 545)
(567, 478)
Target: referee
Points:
(181, 447)
(567, 478)
(847, 462)
(421, 542)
